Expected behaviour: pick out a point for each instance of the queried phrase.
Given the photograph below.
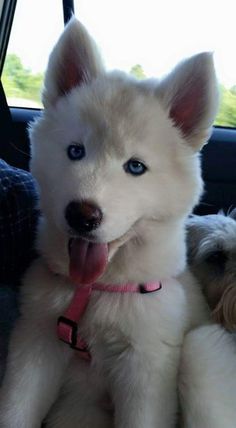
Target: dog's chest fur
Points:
(135, 320)
(149, 326)
(112, 319)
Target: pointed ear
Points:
(74, 61)
(232, 214)
(190, 95)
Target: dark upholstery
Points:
(219, 172)
(6, 128)
(18, 216)
(18, 219)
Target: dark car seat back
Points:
(6, 129)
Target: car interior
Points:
(218, 157)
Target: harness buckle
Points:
(70, 336)
(144, 290)
(68, 333)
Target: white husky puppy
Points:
(118, 171)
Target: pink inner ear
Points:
(74, 75)
(71, 75)
(188, 106)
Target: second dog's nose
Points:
(83, 216)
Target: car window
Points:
(36, 27)
(148, 38)
(145, 39)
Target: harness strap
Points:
(67, 324)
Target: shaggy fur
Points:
(135, 340)
(209, 352)
(212, 259)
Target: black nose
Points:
(83, 216)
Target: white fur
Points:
(207, 378)
(135, 340)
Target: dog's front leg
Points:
(144, 392)
(208, 378)
(34, 371)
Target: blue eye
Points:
(135, 167)
(76, 151)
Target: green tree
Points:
(227, 111)
(137, 71)
(233, 90)
(20, 82)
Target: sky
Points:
(154, 33)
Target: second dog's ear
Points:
(74, 61)
(190, 95)
(232, 214)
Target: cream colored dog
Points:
(118, 171)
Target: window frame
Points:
(6, 21)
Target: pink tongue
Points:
(87, 261)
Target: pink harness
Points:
(67, 324)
